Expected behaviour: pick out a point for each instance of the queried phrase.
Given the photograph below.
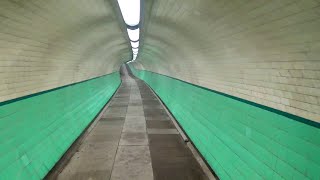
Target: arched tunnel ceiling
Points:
(52, 43)
(262, 51)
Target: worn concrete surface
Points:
(135, 139)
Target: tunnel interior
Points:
(240, 77)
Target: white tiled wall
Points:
(51, 43)
(265, 51)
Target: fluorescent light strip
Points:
(130, 10)
(133, 34)
(134, 44)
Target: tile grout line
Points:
(114, 159)
(206, 169)
(134, 96)
(146, 131)
(74, 147)
(182, 134)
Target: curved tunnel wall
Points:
(58, 68)
(242, 79)
(37, 130)
(48, 44)
(262, 51)
(240, 139)
(67, 53)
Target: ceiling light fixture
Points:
(130, 10)
(133, 34)
(134, 57)
(135, 44)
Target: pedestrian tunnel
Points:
(238, 80)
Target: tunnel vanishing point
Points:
(159, 89)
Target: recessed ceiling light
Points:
(133, 34)
(134, 44)
(130, 10)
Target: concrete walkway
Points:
(135, 139)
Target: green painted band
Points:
(240, 139)
(36, 130)
(291, 116)
(47, 91)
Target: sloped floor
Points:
(134, 139)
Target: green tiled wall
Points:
(35, 131)
(240, 139)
